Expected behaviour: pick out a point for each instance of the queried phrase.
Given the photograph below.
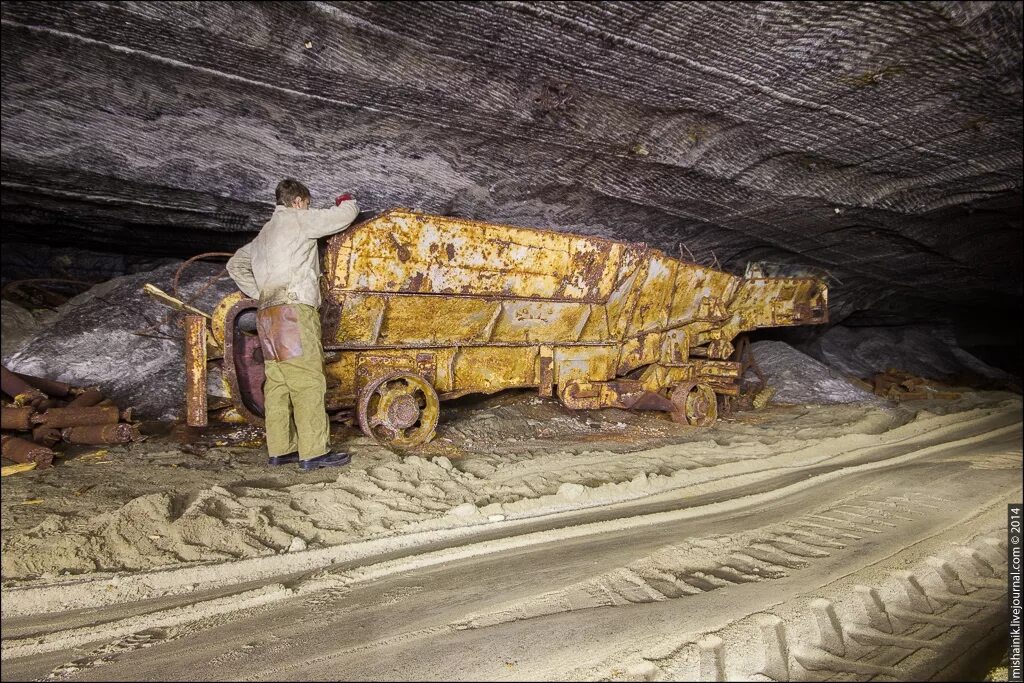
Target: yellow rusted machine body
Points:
(455, 306)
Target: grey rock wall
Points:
(878, 141)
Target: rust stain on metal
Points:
(47, 386)
(75, 417)
(472, 307)
(21, 391)
(195, 370)
(101, 434)
(19, 419)
(87, 398)
(47, 436)
(21, 450)
(898, 385)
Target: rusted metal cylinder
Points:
(21, 450)
(17, 418)
(76, 417)
(46, 436)
(87, 398)
(14, 386)
(47, 386)
(101, 434)
(195, 370)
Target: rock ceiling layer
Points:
(880, 142)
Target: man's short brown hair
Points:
(290, 189)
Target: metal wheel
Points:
(399, 409)
(695, 404)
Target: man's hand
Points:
(342, 198)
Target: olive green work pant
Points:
(294, 393)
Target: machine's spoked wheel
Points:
(399, 409)
(695, 404)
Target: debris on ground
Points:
(39, 413)
(799, 379)
(898, 385)
(922, 350)
(8, 470)
(515, 455)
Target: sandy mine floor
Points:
(117, 536)
(181, 497)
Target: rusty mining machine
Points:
(418, 309)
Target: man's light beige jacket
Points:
(282, 266)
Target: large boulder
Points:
(118, 338)
(924, 350)
(798, 378)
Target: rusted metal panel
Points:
(195, 370)
(545, 370)
(581, 363)
(622, 300)
(655, 295)
(638, 351)
(402, 251)
(432, 320)
(696, 284)
(531, 321)
(487, 369)
(774, 302)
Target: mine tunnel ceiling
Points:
(878, 142)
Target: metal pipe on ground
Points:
(48, 386)
(102, 434)
(19, 419)
(14, 386)
(87, 398)
(21, 450)
(76, 417)
(46, 436)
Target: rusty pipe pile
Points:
(38, 414)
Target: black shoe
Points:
(285, 459)
(330, 459)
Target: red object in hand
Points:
(342, 198)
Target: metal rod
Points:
(48, 386)
(195, 370)
(17, 418)
(101, 434)
(75, 417)
(21, 450)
